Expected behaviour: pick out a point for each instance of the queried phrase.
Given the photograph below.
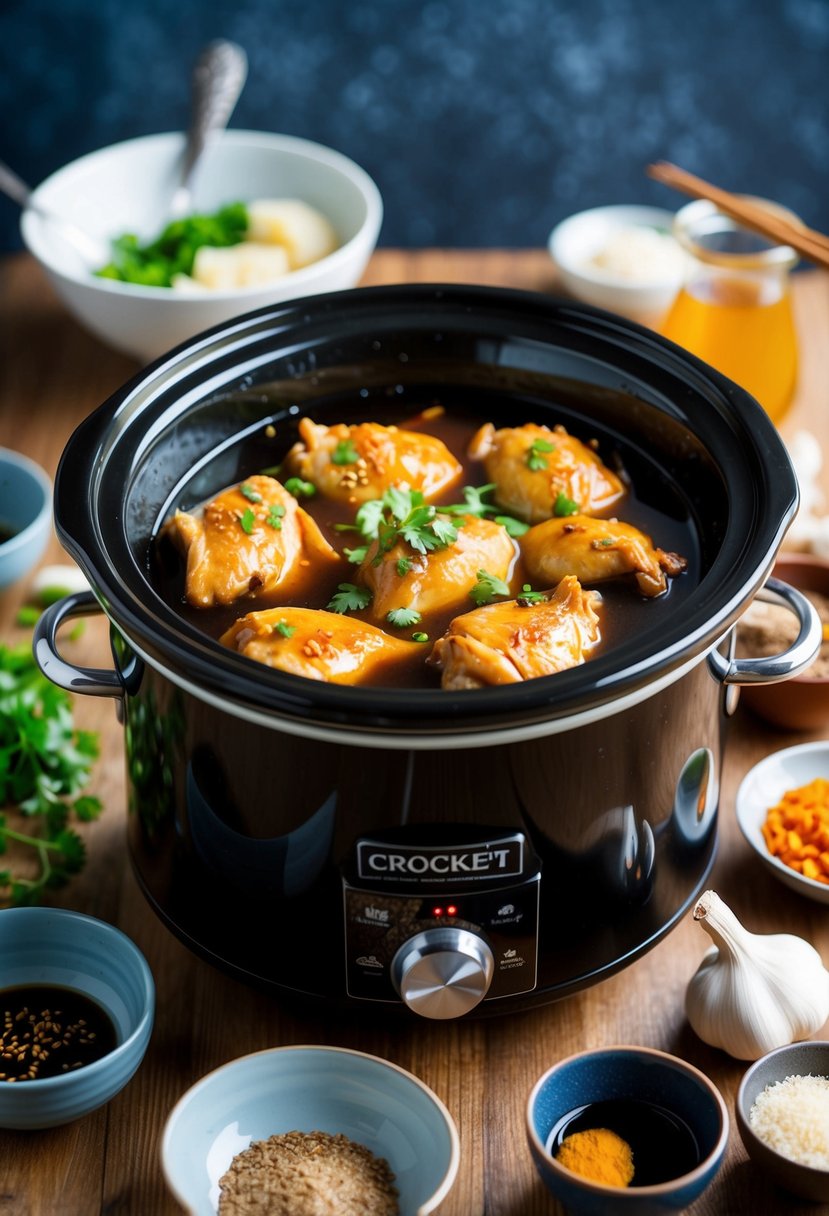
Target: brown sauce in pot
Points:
(652, 504)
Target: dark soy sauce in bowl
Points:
(48, 1031)
(663, 1145)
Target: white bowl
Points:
(128, 187)
(576, 240)
(328, 1089)
(762, 787)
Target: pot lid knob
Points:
(443, 972)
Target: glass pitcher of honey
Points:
(735, 309)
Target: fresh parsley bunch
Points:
(45, 763)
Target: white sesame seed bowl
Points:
(788, 1093)
(48, 949)
(331, 1090)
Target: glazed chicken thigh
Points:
(595, 550)
(534, 468)
(356, 463)
(249, 540)
(316, 644)
(517, 640)
(441, 579)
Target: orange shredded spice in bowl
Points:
(796, 830)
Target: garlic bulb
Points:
(754, 992)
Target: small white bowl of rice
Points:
(622, 258)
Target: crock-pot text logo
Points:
(492, 859)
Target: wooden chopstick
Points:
(810, 243)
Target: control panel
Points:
(441, 927)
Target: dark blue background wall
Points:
(482, 121)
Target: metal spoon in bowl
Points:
(94, 252)
(219, 76)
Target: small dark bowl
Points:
(627, 1073)
(798, 1059)
(801, 703)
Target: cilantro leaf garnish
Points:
(403, 565)
(249, 493)
(284, 628)
(274, 517)
(247, 519)
(514, 527)
(300, 488)
(487, 587)
(345, 452)
(357, 555)
(474, 504)
(564, 505)
(403, 515)
(535, 459)
(401, 618)
(420, 637)
(349, 598)
(528, 596)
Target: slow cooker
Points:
(425, 850)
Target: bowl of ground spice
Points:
(626, 1130)
(782, 808)
(77, 1001)
(296, 1131)
(782, 1112)
(801, 703)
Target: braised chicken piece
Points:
(536, 470)
(249, 540)
(519, 639)
(441, 579)
(316, 644)
(356, 463)
(595, 550)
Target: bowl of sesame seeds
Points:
(77, 1001)
(296, 1131)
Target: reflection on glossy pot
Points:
(263, 828)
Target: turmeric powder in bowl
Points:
(624, 1142)
(796, 830)
(598, 1154)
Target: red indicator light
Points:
(437, 911)
(451, 910)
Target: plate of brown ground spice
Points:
(310, 1131)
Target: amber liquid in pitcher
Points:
(744, 329)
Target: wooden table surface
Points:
(51, 375)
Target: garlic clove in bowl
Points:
(754, 992)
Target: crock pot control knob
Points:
(443, 972)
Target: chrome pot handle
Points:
(771, 669)
(92, 681)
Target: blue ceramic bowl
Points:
(25, 511)
(305, 1089)
(797, 1059)
(640, 1073)
(54, 946)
